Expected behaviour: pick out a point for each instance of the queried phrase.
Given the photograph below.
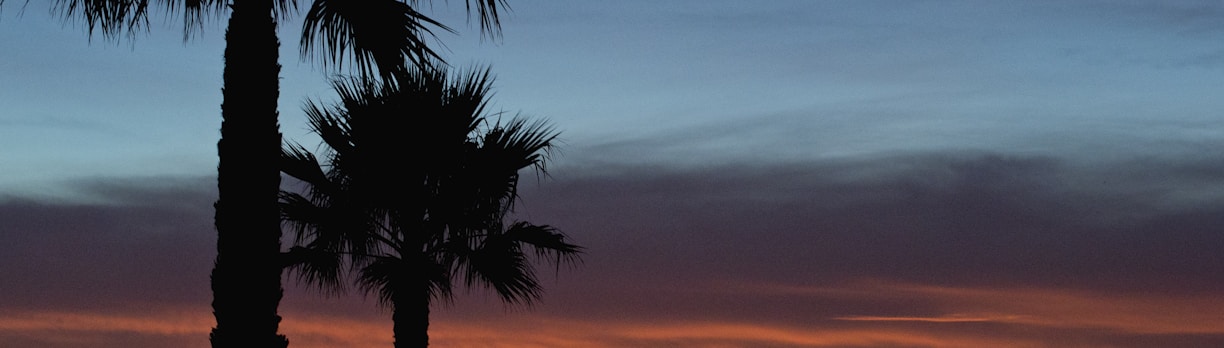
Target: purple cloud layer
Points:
(699, 242)
(966, 218)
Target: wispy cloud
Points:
(1132, 313)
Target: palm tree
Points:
(415, 193)
(377, 35)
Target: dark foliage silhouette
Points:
(378, 35)
(414, 194)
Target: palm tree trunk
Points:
(246, 277)
(410, 317)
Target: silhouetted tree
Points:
(378, 35)
(415, 191)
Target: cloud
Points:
(948, 249)
(964, 218)
(150, 242)
(1194, 18)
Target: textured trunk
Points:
(410, 315)
(246, 277)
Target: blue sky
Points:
(923, 173)
(716, 81)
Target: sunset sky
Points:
(743, 174)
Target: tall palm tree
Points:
(377, 35)
(416, 189)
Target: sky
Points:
(742, 174)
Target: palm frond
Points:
(489, 15)
(504, 150)
(329, 222)
(282, 8)
(520, 144)
(499, 263)
(326, 123)
(468, 96)
(376, 34)
(108, 17)
(316, 267)
(195, 13)
(546, 240)
(391, 278)
(112, 18)
(299, 163)
(300, 214)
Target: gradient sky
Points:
(744, 174)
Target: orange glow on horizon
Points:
(161, 324)
(943, 319)
(1012, 316)
(567, 333)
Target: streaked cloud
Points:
(929, 249)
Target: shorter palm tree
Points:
(415, 193)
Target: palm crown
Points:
(416, 189)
